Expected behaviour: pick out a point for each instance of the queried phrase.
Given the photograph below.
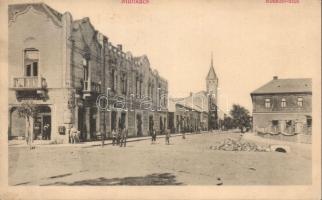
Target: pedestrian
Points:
(45, 132)
(167, 137)
(124, 137)
(183, 135)
(48, 132)
(151, 133)
(154, 136)
(114, 135)
(118, 136)
(73, 134)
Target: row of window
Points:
(124, 83)
(31, 60)
(284, 103)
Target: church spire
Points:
(212, 62)
(211, 74)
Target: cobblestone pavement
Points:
(183, 162)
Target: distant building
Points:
(283, 106)
(199, 110)
(189, 114)
(63, 65)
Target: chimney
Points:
(119, 46)
(275, 77)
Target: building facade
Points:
(283, 106)
(77, 77)
(189, 114)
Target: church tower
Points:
(212, 91)
(212, 82)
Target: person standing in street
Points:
(114, 135)
(124, 137)
(45, 132)
(167, 136)
(118, 136)
(73, 134)
(154, 136)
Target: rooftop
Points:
(276, 85)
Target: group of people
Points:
(119, 137)
(154, 136)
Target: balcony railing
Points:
(91, 87)
(29, 83)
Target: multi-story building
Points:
(67, 68)
(283, 106)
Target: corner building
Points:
(63, 65)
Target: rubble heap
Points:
(233, 145)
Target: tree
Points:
(229, 123)
(28, 110)
(240, 117)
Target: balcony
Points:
(91, 87)
(29, 83)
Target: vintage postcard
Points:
(160, 99)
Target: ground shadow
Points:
(152, 179)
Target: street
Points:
(187, 161)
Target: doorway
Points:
(139, 125)
(123, 119)
(42, 124)
(151, 124)
(113, 120)
(46, 132)
(161, 125)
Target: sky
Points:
(251, 40)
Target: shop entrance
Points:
(42, 124)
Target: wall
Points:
(291, 103)
(32, 28)
(27, 31)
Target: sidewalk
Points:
(22, 143)
(46, 143)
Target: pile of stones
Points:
(233, 145)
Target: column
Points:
(87, 123)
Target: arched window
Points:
(124, 82)
(31, 61)
(85, 69)
(86, 74)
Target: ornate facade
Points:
(65, 67)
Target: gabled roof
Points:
(302, 85)
(14, 9)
